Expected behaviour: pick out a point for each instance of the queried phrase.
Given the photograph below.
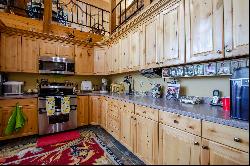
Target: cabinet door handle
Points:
(205, 147)
(196, 143)
(228, 50)
(176, 122)
(237, 140)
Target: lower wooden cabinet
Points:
(218, 154)
(104, 112)
(94, 110)
(82, 110)
(147, 140)
(177, 147)
(29, 109)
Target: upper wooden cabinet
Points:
(84, 60)
(30, 53)
(218, 154)
(82, 111)
(236, 19)
(136, 48)
(151, 43)
(99, 60)
(177, 147)
(125, 54)
(52, 48)
(172, 35)
(65, 50)
(11, 53)
(204, 30)
(116, 58)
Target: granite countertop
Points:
(201, 111)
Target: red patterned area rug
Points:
(86, 150)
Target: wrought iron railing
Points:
(125, 10)
(71, 13)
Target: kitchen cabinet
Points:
(84, 60)
(204, 30)
(236, 19)
(177, 147)
(29, 109)
(116, 55)
(136, 48)
(82, 110)
(150, 32)
(125, 54)
(147, 140)
(65, 50)
(218, 154)
(30, 54)
(104, 112)
(95, 110)
(48, 48)
(99, 61)
(10, 53)
(172, 35)
(114, 119)
(127, 127)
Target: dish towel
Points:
(65, 105)
(50, 106)
(16, 121)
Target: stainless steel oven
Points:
(56, 65)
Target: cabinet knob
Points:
(196, 143)
(237, 140)
(228, 50)
(205, 147)
(176, 122)
(219, 52)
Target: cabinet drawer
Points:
(181, 122)
(230, 136)
(22, 102)
(147, 112)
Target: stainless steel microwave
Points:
(56, 65)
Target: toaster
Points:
(86, 86)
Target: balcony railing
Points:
(125, 10)
(71, 13)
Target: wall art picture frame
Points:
(210, 69)
(224, 68)
(199, 69)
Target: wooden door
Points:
(127, 129)
(30, 53)
(177, 147)
(116, 57)
(151, 41)
(218, 154)
(147, 140)
(99, 60)
(65, 50)
(84, 61)
(10, 53)
(204, 30)
(125, 54)
(48, 48)
(136, 50)
(236, 27)
(104, 112)
(172, 32)
(95, 110)
(82, 110)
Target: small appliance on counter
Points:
(13, 88)
(239, 84)
(86, 86)
(216, 98)
(104, 87)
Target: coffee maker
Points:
(104, 86)
(239, 84)
(3, 78)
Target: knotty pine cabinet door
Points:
(127, 129)
(172, 35)
(125, 54)
(151, 43)
(236, 18)
(147, 140)
(177, 147)
(116, 53)
(65, 50)
(104, 112)
(204, 30)
(94, 110)
(11, 53)
(84, 60)
(218, 154)
(82, 110)
(48, 48)
(136, 48)
(99, 60)
(30, 54)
